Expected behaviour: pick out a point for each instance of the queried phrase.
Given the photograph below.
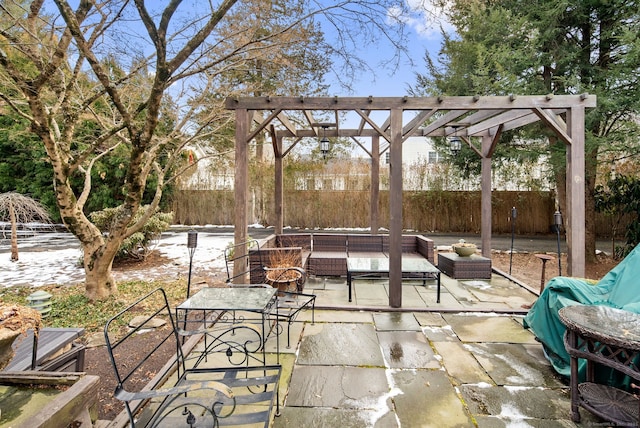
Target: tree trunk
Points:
(591, 160)
(14, 233)
(99, 281)
(98, 251)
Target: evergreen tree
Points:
(543, 46)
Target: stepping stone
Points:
(154, 322)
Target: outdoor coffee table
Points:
(609, 337)
(236, 320)
(378, 267)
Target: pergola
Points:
(478, 121)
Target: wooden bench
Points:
(182, 395)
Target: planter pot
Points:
(278, 280)
(464, 251)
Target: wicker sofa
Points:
(325, 254)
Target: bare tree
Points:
(17, 208)
(120, 73)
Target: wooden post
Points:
(395, 210)
(575, 193)
(485, 206)
(241, 184)
(374, 218)
(279, 188)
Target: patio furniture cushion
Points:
(302, 240)
(413, 244)
(329, 263)
(364, 244)
(329, 242)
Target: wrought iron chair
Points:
(179, 394)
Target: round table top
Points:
(544, 257)
(603, 323)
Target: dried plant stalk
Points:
(281, 260)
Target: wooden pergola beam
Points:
(410, 103)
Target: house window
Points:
(433, 157)
(311, 184)
(387, 158)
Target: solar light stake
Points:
(192, 243)
(557, 221)
(514, 214)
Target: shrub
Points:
(140, 244)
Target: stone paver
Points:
(407, 350)
(488, 328)
(464, 368)
(339, 387)
(427, 400)
(515, 364)
(386, 321)
(429, 318)
(517, 404)
(340, 344)
(315, 417)
(440, 334)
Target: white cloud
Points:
(424, 17)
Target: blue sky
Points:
(422, 22)
(423, 27)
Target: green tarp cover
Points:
(620, 288)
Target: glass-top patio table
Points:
(376, 267)
(604, 337)
(236, 319)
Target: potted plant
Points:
(464, 249)
(283, 270)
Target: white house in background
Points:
(424, 168)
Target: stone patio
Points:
(462, 363)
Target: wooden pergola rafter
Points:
(473, 118)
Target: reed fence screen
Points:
(424, 211)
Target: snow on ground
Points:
(56, 259)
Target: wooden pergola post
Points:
(279, 187)
(374, 218)
(485, 204)
(575, 192)
(241, 189)
(395, 210)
